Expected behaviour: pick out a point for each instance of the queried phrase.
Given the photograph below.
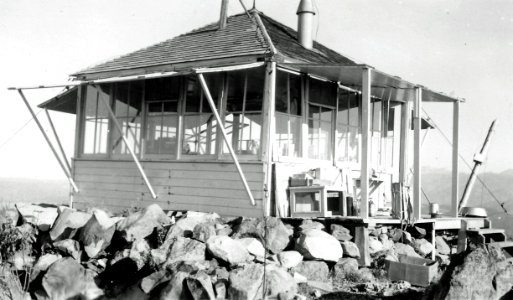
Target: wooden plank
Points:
(366, 118)
(160, 190)
(218, 166)
(404, 143)
(417, 155)
(455, 158)
(269, 129)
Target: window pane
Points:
(325, 141)
(323, 92)
(128, 101)
(295, 136)
(193, 95)
(167, 88)
(281, 101)
(236, 85)
(199, 134)
(255, 89)
(96, 127)
(282, 134)
(295, 94)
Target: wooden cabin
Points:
(315, 133)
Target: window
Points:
(96, 129)
(288, 114)
(321, 108)
(243, 121)
(162, 97)
(348, 128)
(127, 108)
(376, 135)
(199, 123)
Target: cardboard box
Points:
(417, 271)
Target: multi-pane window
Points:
(321, 108)
(243, 120)
(348, 128)
(96, 128)
(128, 98)
(162, 96)
(199, 123)
(288, 114)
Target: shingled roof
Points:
(241, 37)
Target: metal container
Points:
(434, 209)
(474, 212)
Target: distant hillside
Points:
(13, 190)
(437, 185)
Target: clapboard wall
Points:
(199, 186)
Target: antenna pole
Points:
(478, 161)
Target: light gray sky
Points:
(461, 47)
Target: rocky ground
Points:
(60, 253)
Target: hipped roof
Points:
(242, 38)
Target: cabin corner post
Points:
(268, 133)
(455, 159)
(366, 118)
(417, 158)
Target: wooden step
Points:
(505, 244)
(487, 231)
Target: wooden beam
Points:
(361, 239)
(404, 143)
(417, 154)
(455, 158)
(78, 121)
(268, 132)
(366, 119)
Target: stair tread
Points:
(505, 244)
(487, 230)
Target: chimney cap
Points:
(305, 6)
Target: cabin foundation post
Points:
(361, 239)
(268, 133)
(417, 155)
(366, 118)
(455, 158)
(225, 136)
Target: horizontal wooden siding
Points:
(200, 186)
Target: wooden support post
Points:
(225, 137)
(417, 155)
(455, 158)
(128, 146)
(433, 240)
(462, 237)
(404, 143)
(365, 169)
(361, 238)
(63, 167)
(268, 133)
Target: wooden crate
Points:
(417, 271)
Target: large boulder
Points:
(423, 247)
(313, 270)
(200, 286)
(42, 217)
(246, 282)
(142, 223)
(271, 232)
(375, 245)
(403, 249)
(279, 283)
(350, 249)
(185, 226)
(227, 249)
(441, 246)
(254, 247)
(68, 223)
(344, 267)
(203, 231)
(69, 247)
(186, 249)
(175, 288)
(317, 244)
(309, 224)
(340, 232)
(290, 259)
(43, 263)
(97, 233)
(66, 279)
